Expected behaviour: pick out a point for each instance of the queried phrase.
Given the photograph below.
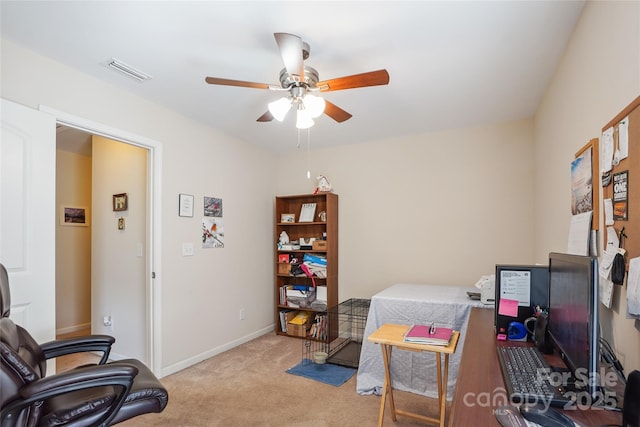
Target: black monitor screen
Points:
(573, 314)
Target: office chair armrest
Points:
(100, 343)
(118, 376)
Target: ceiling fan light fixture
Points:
(303, 119)
(314, 105)
(280, 108)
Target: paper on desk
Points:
(623, 138)
(579, 232)
(606, 150)
(508, 307)
(633, 287)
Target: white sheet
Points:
(409, 304)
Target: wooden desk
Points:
(480, 386)
(390, 335)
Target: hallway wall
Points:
(73, 244)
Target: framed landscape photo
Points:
(120, 202)
(75, 216)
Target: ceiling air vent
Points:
(128, 70)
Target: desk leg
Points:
(386, 358)
(443, 396)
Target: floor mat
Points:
(327, 373)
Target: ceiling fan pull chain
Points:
(308, 153)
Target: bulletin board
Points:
(631, 164)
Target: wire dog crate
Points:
(338, 334)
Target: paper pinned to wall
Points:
(633, 287)
(579, 233)
(605, 284)
(623, 138)
(613, 242)
(608, 212)
(606, 150)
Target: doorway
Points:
(149, 247)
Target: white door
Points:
(27, 215)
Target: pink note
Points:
(508, 307)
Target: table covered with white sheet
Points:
(408, 304)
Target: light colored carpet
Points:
(249, 386)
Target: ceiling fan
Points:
(301, 82)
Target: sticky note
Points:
(508, 307)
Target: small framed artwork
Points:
(287, 217)
(185, 205)
(120, 202)
(74, 216)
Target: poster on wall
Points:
(582, 183)
(621, 196)
(212, 207)
(212, 232)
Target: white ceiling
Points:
(452, 64)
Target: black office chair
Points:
(631, 405)
(101, 394)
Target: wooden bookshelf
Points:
(322, 230)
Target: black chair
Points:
(631, 406)
(101, 394)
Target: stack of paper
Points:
(317, 264)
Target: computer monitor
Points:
(573, 318)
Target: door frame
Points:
(153, 287)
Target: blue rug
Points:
(327, 373)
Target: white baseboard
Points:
(221, 349)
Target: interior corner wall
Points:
(441, 208)
(598, 76)
(73, 244)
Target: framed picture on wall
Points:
(185, 205)
(74, 216)
(120, 202)
(585, 181)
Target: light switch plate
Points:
(187, 249)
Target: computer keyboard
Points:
(525, 374)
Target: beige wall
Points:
(73, 244)
(599, 75)
(439, 208)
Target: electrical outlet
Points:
(242, 314)
(106, 321)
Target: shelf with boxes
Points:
(306, 258)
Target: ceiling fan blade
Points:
(335, 112)
(372, 78)
(266, 117)
(230, 82)
(291, 51)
